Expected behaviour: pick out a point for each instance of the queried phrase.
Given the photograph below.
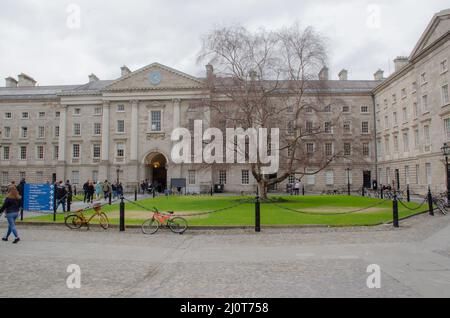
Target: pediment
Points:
(438, 27)
(155, 77)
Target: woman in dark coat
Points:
(11, 207)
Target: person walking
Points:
(69, 193)
(11, 207)
(297, 187)
(85, 190)
(120, 190)
(114, 189)
(98, 190)
(91, 191)
(61, 196)
(106, 189)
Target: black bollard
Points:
(54, 212)
(122, 214)
(382, 192)
(430, 202)
(408, 194)
(363, 191)
(303, 190)
(21, 214)
(69, 202)
(211, 191)
(75, 190)
(154, 193)
(395, 211)
(257, 214)
(135, 194)
(110, 198)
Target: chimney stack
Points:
(124, 70)
(343, 75)
(93, 78)
(323, 74)
(379, 75)
(26, 81)
(400, 62)
(11, 82)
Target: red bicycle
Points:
(175, 223)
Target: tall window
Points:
(444, 94)
(6, 153)
(120, 126)
(416, 139)
(40, 152)
(447, 128)
(191, 177)
(75, 177)
(77, 129)
(405, 142)
(97, 111)
(395, 118)
(425, 103)
(426, 134)
(328, 149)
(349, 176)
(97, 129)
(416, 110)
(347, 149)
(387, 145)
(347, 127)
(96, 151)
(329, 177)
(222, 177)
(41, 132)
(76, 151)
(55, 152)
(120, 148)
(309, 148)
(309, 127)
(5, 178)
(291, 179)
(366, 149)
(7, 132)
(23, 153)
(365, 127)
(405, 115)
(396, 143)
(407, 175)
(428, 174)
(56, 131)
(155, 120)
(328, 127)
(245, 177)
(417, 174)
(364, 109)
(24, 132)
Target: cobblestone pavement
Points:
(306, 262)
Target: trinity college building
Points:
(123, 126)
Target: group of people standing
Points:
(101, 190)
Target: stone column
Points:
(62, 154)
(104, 165)
(134, 142)
(174, 170)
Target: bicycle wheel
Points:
(150, 226)
(103, 220)
(177, 225)
(73, 222)
(441, 206)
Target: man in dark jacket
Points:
(61, 196)
(85, 190)
(69, 193)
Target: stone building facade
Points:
(106, 129)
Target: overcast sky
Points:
(62, 42)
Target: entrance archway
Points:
(156, 171)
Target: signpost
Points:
(38, 197)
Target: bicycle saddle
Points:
(170, 212)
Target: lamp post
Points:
(446, 152)
(348, 181)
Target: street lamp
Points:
(446, 152)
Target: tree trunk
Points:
(262, 186)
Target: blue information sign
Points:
(38, 197)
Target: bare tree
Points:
(268, 79)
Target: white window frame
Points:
(120, 108)
(7, 132)
(222, 177)
(445, 94)
(329, 177)
(76, 129)
(56, 131)
(120, 146)
(94, 146)
(25, 117)
(41, 115)
(192, 177)
(21, 157)
(150, 121)
(362, 128)
(364, 109)
(74, 152)
(245, 177)
(38, 152)
(118, 131)
(77, 111)
(6, 155)
(39, 130)
(24, 133)
(99, 131)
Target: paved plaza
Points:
(302, 262)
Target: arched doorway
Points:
(156, 166)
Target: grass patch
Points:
(319, 210)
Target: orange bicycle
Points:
(176, 224)
(76, 220)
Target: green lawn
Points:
(318, 210)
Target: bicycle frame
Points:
(161, 218)
(83, 217)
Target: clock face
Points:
(155, 77)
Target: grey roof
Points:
(33, 92)
(89, 88)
